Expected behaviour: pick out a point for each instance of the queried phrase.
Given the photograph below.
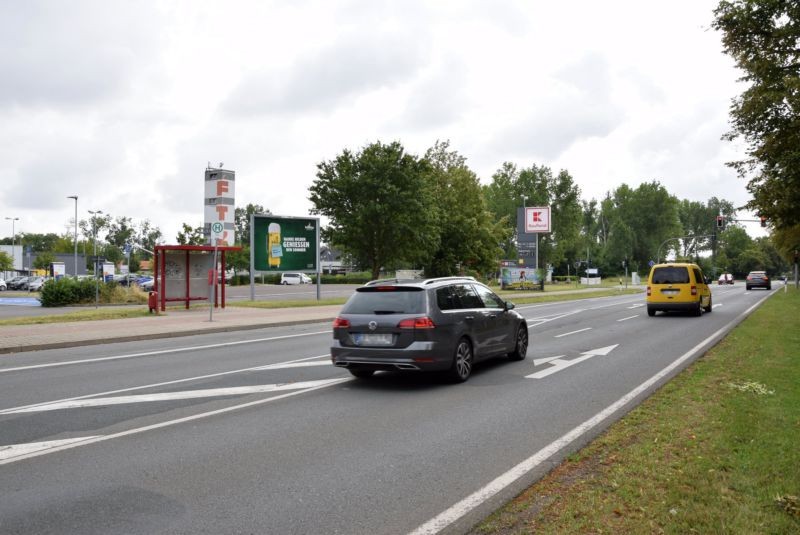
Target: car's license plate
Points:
(670, 292)
(372, 339)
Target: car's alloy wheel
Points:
(709, 307)
(521, 347)
(462, 362)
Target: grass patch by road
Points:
(551, 298)
(287, 304)
(716, 450)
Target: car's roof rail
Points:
(443, 279)
(393, 280)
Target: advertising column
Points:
(219, 200)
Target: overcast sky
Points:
(125, 103)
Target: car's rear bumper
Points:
(419, 356)
(679, 307)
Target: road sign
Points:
(651, 263)
(217, 230)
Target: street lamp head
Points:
(12, 218)
(72, 197)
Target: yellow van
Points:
(677, 287)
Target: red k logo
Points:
(537, 217)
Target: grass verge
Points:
(716, 450)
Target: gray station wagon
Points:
(445, 324)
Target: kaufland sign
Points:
(537, 219)
(220, 207)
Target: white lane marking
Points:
(458, 510)
(535, 322)
(15, 450)
(628, 318)
(173, 396)
(717, 305)
(573, 332)
(294, 365)
(85, 441)
(637, 305)
(558, 364)
(161, 352)
(154, 385)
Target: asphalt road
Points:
(255, 432)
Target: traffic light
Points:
(763, 221)
(720, 222)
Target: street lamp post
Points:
(76, 232)
(13, 240)
(94, 269)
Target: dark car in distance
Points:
(757, 279)
(445, 324)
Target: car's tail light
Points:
(341, 322)
(694, 290)
(417, 323)
(385, 289)
(766, 279)
(649, 291)
(749, 278)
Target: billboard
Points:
(280, 243)
(219, 207)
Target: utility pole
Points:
(76, 233)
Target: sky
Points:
(125, 103)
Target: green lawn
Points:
(716, 450)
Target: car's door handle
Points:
(469, 318)
(492, 315)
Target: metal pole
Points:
(76, 232)
(94, 232)
(13, 241)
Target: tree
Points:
(762, 37)
(242, 221)
(43, 260)
(147, 237)
(379, 204)
(5, 261)
(191, 236)
(467, 235)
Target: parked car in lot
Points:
(3, 285)
(446, 324)
(725, 278)
(295, 278)
(16, 283)
(35, 283)
(677, 287)
(757, 279)
(146, 284)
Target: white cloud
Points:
(124, 104)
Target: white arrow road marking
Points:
(15, 450)
(173, 396)
(573, 332)
(628, 318)
(277, 365)
(557, 364)
(536, 362)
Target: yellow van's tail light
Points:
(694, 290)
(649, 291)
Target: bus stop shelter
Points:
(186, 273)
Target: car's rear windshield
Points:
(386, 300)
(670, 275)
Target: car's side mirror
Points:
(510, 305)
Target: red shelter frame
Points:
(159, 273)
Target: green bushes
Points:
(67, 291)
